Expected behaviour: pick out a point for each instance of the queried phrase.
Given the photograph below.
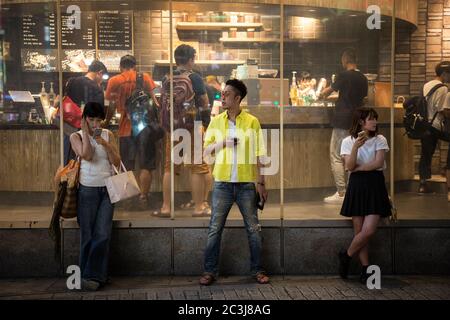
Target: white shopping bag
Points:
(122, 185)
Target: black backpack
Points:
(143, 113)
(415, 119)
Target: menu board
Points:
(39, 31)
(83, 38)
(114, 30)
(39, 42)
(78, 44)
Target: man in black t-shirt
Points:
(353, 87)
(84, 89)
(87, 88)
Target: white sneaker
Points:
(335, 199)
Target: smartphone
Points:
(97, 133)
(259, 202)
(362, 134)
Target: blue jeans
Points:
(95, 216)
(223, 196)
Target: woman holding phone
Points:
(98, 151)
(366, 199)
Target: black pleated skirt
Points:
(366, 195)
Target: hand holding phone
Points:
(259, 202)
(362, 137)
(97, 133)
(362, 134)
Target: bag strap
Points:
(121, 168)
(434, 89)
(139, 81)
(68, 84)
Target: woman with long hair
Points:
(366, 200)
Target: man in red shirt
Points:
(138, 148)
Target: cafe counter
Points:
(30, 153)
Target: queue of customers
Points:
(356, 143)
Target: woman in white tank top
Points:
(98, 151)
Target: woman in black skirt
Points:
(366, 199)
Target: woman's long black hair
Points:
(363, 114)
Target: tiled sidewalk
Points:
(234, 288)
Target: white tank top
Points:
(93, 173)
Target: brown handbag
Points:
(66, 181)
(69, 181)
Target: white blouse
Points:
(93, 173)
(368, 151)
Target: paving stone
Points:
(242, 294)
(163, 295)
(177, 294)
(230, 294)
(268, 293)
(301, 288)
(139, 296)
(126, 296)
(281, 293)
(255, 294)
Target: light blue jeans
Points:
(223, 196)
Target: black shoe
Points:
(364, 275)
(344, 264)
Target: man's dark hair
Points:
(183, 53)
(97, 66)
(363, 114)
(350, 55)
(127, 62)
(442, 67)
(239, 87)
(94, 110)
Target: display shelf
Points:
(249, 40)
(215, 25)
(275, 40)
(205, 62)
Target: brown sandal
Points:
(159, 214)
(206, 279)
(206, 212)
(262, 278)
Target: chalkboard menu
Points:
(82, 38)
(39, 31)
(78, 42)
(114, 30)
(39, 42)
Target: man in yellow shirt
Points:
(235, 138)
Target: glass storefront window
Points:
(285, 53)
(320, 44)
(29, 85)
(229, 44)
